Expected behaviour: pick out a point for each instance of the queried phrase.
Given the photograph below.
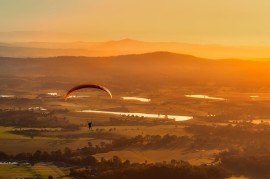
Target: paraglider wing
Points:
(87, 86)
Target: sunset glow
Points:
(194, 21)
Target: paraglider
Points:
(87, 86)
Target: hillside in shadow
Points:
(147, 70)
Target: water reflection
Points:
(75, 96)
(53, 94)
(7, 96)
(37, 108)
(160, 116)
(200, 96)
(254, 96)
(137, 99)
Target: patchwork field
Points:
(160, 155)
(11, 171)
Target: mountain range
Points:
(147, 70)
(129, 46)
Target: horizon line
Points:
(139, 41)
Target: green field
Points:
(4, 134)
(11, 171)
(12, 144)
(160, 155)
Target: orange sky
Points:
(196, 21)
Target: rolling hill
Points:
(146, 70)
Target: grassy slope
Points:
(11, 171)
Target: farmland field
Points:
(11, 171)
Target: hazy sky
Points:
(199, 21)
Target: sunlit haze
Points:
(231, 22)
(102, 89)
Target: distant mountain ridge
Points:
(149, 69)
(128, 46)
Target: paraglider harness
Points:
(90, 125)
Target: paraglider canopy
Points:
(87, 86)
